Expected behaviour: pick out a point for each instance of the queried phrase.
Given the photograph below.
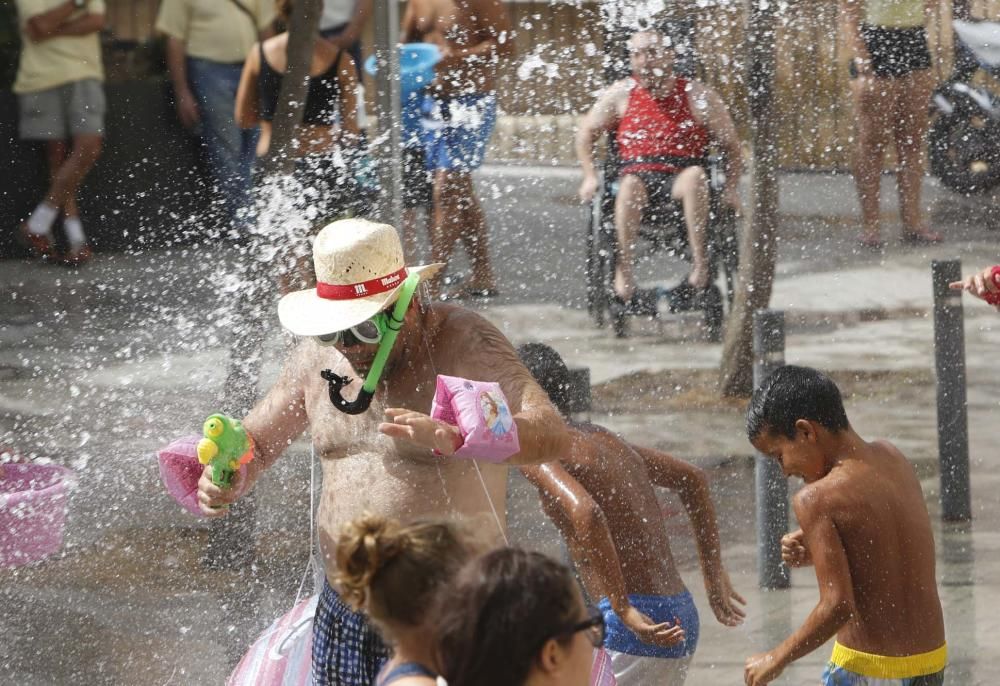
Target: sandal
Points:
(870, 242)
(921, 237)
(39, 245)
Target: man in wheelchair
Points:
(662, 125)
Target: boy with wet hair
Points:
(652, 622)
(865, 530)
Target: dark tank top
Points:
(322, 98)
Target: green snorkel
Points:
(394, 324)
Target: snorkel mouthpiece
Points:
(337, 383)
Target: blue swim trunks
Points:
(347, 651)
(849, 667)
(457, 130)
(659, 609)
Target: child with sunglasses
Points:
(516, 618)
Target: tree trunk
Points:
(246, 353)
(758, 249)
(230, 541)
(303, 27)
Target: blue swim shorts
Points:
(457, 130)
(659, 609)
(347, 651)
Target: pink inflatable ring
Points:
(33, 500)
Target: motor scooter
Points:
(964, 139)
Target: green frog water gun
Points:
(226, 446)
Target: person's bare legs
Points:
(909, 130)
(474, 234)
(629, 205)
(447, 224)
(691, 188)
(873, 100)
(86, 149)
(459, 217)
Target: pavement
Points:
(102, 365)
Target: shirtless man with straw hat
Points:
(381, 460)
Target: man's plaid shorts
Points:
(347, 651)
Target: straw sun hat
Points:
(359, 271)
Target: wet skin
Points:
(866, 530)
(471, 34)
(366, 469)
(615, 476)
(601, 497)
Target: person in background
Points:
(327, 144)
(393, 572)
(207, 43)
(515, 618)
(663, 124)
(891, 84)
(61, 100)
(474, 36)
(343, 22)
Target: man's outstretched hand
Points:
(421, 429)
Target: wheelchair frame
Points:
(668, 233)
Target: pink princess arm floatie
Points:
(480, 411)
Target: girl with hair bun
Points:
(516, 618)
(393, 572)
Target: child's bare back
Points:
(876, 505)
(866, 531)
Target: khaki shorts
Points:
(63, 112)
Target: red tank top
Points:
(664, 127)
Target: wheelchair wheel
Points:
(600, 260)
(728, 247)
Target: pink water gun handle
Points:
(989, 296)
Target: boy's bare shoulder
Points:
(826, 496)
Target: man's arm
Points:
(486, 355)
(84, 25)
(718, 121)
(691, 485)
(246, 113)
(278, 419)
(603, 116)
(541, 431)
(57, 22)
(187, 107)
(408, 30)
(352, 32)
(348, 79)
(585, 530)
(836, 591)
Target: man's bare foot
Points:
(699, 276)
